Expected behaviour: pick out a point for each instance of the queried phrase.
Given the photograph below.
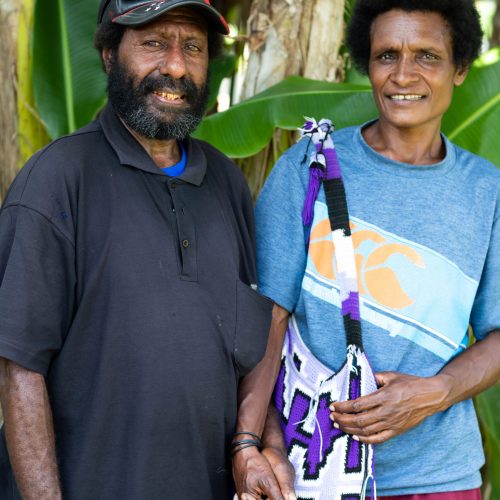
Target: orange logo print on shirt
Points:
(376, 278)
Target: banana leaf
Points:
(488, 406)
(247, 128)
(69, 84)
(473, 120)
(32, 135)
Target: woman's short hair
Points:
(460, 15)
(109, 35)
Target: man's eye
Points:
(152, 44)
(192, 47)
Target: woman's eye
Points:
(387, 56)
(427, 56)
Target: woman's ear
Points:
(460, 76)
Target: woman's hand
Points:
(283, 471)
(401, 402)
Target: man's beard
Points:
(131, 103)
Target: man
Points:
(126, 265)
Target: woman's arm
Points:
(255, 390)
(276, 454)
(251, 470)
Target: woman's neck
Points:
(422, 146)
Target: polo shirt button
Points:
(173, 185)
(185, 243)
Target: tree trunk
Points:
(9, 14)
(289, 37)
(293, 37)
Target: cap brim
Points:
(146, 13)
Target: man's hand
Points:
(254, 476)
(401, 402)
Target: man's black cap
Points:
(136, 13)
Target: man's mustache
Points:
(166, 83)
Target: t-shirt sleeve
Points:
(485, 316)
(37, 283)
(281, 241)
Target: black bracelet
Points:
(248, 433)
(256, 442)
(233, 453)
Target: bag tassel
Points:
(315, 178)
(317, 133)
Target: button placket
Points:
(185, 232)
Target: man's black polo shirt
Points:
(130, 292)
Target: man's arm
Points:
(252, 472)
(29, 432)
(403, 401)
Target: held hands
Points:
(401, 402)
(263, 474)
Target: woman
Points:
(424, 216)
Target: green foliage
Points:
(247, 128)
(32, 134)
(69, 84)
(348, 10)
(220, 68)
(488, 406)
(473, 120)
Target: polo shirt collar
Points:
(131, 153)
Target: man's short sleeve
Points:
(485, 315)
(281, 242)
(37, 283)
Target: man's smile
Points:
(170, 97)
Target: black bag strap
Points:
(324, 169)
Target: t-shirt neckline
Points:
(406, 169)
